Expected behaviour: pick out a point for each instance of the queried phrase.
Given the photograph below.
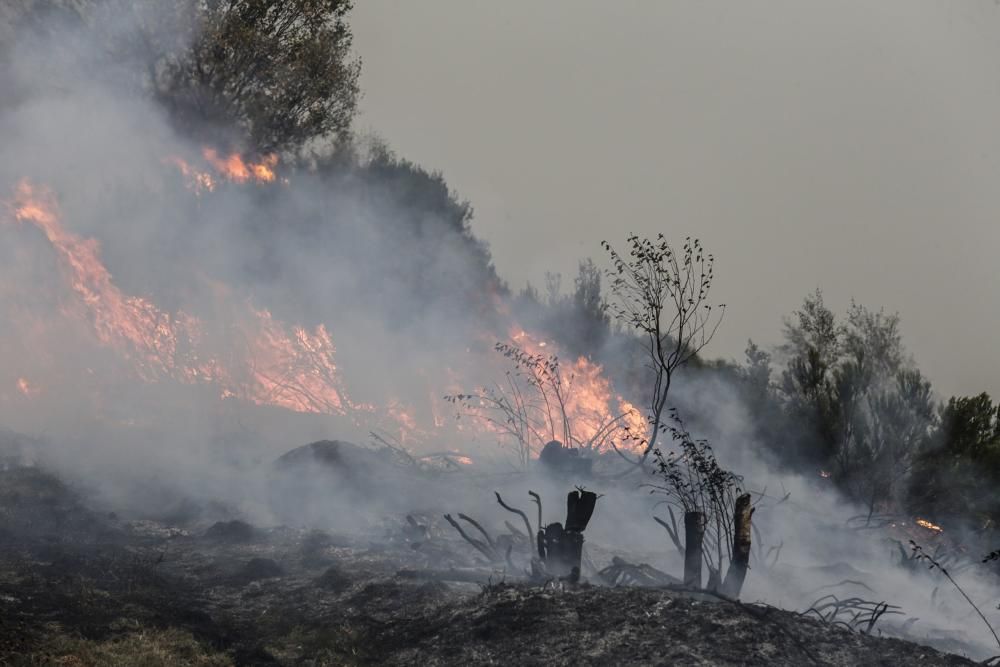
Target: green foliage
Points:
(279, 71)
(955, 474)
(862, 407)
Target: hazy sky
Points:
(852, 146)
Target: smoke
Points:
(377, 254)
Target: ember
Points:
(27, 388)
(924, 523)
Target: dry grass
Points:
(146, 648)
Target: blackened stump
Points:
(694, 535)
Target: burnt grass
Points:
(78, 586)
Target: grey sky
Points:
(853, 146)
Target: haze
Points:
(851, 146)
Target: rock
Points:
(331, 483)
(563, 461)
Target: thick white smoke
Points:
(74, 122)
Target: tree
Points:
(279, 71)
(590, 311)
(958, 462)
(663, 295)
(857, 396)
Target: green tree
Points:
(956, 471)
(856, 396)
(279, 72)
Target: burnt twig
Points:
(483, 548)
(920, 554)
(475, 524)
(538, 501)
(521, 514)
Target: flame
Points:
(257, 358)
(287, 367)
(924, 523)
(825, 474)
(238, 170)
(196, 180)
(597, 415)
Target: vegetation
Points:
(275, 74)
(530, 406)
(663, 296)
(692, 480)
(149, 647)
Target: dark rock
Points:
(324, 484)
(330, 454)
(563, 461)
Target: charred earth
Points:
(87, 585)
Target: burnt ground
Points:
(78, 587)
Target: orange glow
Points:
(256, 358)
(924, 523)
(237, 170)
(596, 414)
(197, 181)
(287, 367)
(27, 388)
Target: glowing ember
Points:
(196, 181)
(924, 523)
(27, 388)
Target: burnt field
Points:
(88, 585)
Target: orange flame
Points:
(293, 369)
(236, 169)
(597, 415)
(196, 180)
(278, 365)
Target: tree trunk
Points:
(741, 547)
(694, 535)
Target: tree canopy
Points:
(277, 73)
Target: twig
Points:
(538, 501)
(521, 514)
(482, 548)
(489, 540)
(919, 554)
(671, 530)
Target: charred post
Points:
(561, 548)
(737, 572)
(694, 536)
